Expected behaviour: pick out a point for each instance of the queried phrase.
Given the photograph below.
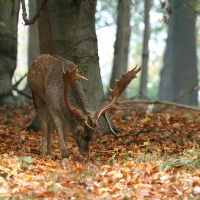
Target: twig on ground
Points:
(148, 131)
(111, 129)
(136, 133)
(166, 135)
(160, 102)
(195, 87)
(167, 103)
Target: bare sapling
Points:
(58, 97)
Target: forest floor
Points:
(160, 159)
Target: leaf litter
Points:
(160, 159)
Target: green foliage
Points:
(110, 160)
(25, 162)
(196, 163)
(176, 163)
(2, 23)
(5, 155)
(5, 2)
(3, 174)
(156, 45)
(106, 13)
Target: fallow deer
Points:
(58, 97)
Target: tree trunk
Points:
(121, 48)
(8, 49)
(180, 61)
(67, 29)
(145, 52)
(33, 41)
(33, 44)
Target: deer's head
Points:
(89, 121)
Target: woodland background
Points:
(167, 52)
(157, 153)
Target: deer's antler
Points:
(69, 76)
(120, 86)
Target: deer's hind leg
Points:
(49, 131)
(45, 120)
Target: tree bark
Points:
(33, 40)
(145, 52)
(33, 43)
(121, 48)
(180, 61)
(67, 29)
(8, 49)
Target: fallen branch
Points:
(136, 134)
(19, 81)
(196, 87)
(111, 129)
(22, 93)
(166, 135)
(35, 17)
(14, 87)
(160, 102)
(167, 104)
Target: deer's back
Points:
(45, 79)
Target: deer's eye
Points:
(79, 132)
(88, 138)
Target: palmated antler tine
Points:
(120, 86)
(69, 76)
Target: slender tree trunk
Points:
(67, 29)
(121, 48)
(180, 61)
(145, 52)
(8, 49)
(33, 40)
